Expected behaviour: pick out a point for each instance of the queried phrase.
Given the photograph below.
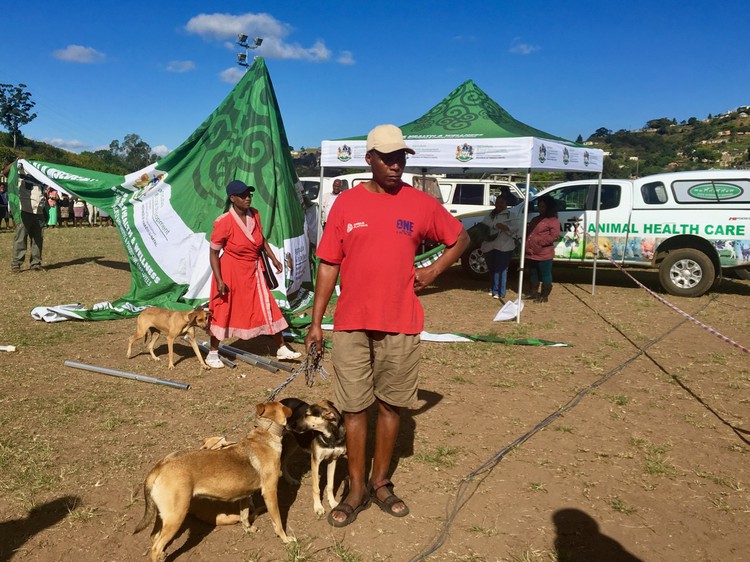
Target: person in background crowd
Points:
(329, 200)
(240, 302)
(378, 318)
(78, 208)
(543, 231)
(52, 199)
(90, 213)
(64, 211)
(32, 225)
(4, 207)
(498, 251)
(104, 218)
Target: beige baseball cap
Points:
(386, 139)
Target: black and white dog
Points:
(319, 430)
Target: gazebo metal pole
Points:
(523, 244)
(596, 233)
(319, 209)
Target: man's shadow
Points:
(427, 399)
(579, 539)
(16, 532)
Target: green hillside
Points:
(664, 145)
(102, 160)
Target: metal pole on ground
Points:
(124, 375)
(237, 351)
(203, 346)
(239, 354)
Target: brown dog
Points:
(173, 323)
(230, 474)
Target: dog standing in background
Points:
(173, 323)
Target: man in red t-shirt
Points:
(371, 237)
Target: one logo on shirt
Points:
(350, 226)
(344, 153)
(404, 227)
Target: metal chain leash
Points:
(311, 366)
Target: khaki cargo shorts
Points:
(370, 364)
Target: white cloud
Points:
(345, 57)
(161, 151)
(72, 145)
(232, 74)
(520, 48)
(226, 27)
(277, 49)
(78, 53)
(180, 66)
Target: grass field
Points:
(650, 464)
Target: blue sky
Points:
(101, 70)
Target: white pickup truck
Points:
(689, 225)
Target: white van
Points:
(312, 192)
(689, 225)
(466, 199)
(469, 197)
(311, 185)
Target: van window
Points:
(654, 193)
(310, 189)
(711, 191)
(499, 189)
(431, 187)
(610, 196)
(468, 194)
(572, 198)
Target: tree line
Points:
(122, 157)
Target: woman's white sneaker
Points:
(213, 361)
(284, 354)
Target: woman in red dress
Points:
(241, 304)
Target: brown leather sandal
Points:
(390, 500)
(350, 512)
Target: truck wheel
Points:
(743, 274)
(686, 273)
(474, 264)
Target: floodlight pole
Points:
(242, 41)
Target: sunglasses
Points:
(245, 195)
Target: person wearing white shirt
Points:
(499, 250)
(329, 200)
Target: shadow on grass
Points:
(98, 260)
(405, 442)
(119, 265)
(578, 538)
(77, 261)
(16, 532)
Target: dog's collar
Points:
(270, 426)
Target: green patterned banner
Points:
(165, 212)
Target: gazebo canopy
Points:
(469, 131)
